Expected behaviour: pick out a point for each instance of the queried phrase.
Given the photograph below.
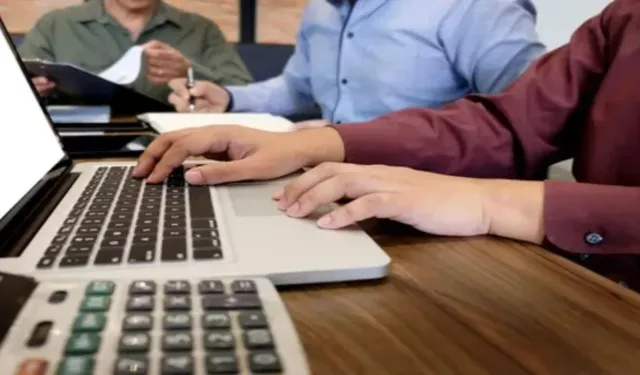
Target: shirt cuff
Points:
(590, 218)
(242, 98)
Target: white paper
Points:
(68, 114)
(167, 122)
(127, 69)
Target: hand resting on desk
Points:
(434, 203)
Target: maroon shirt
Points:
(581, 100)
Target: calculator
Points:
(176, 326)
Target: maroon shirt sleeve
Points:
(518, 134)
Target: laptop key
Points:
(174, 224)
(88, 230)
(53, 250)
(109, 256)
(203, 224)
(200, 202)
(174, 232)
(144, 239)
(113, 242)
(148, 214)
(84, 239)
(174, 249)
(207, 253)
(145, 229)
(46, 262)
(59, 239)
(79, 249)
(206, 243)
(142, 253)
(119, 224)
(93, 221)
(116, 233)
(204, 234)
(74, 260)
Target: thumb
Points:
(220, 172)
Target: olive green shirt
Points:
(88, 37)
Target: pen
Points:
(190, 84)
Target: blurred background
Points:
(277, 20)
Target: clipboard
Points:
(87, 88)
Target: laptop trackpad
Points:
(254, 199)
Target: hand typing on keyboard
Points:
(252, 154)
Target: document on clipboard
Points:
(108, 87)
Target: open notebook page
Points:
(166, 122)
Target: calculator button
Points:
(58, 296)
(83, 343)
(252, 319)
(101, 287)
(177, 341)
(142, 287)
(177, 364)
(173, 303)
(216, 320)
(223, 363)
(211, 287)
(264, 362)
(137, 322)
(140, 303)
(235, 302)
(131, 365)
(89, 322)
(96, 303)
(258, 338)
(134, 342)
(33, 367)
(177, 321)
(39, 335)
(219, 340)
(76, 366)
(243, 286)
(177, 287)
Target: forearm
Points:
(514, 209)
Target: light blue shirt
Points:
(381, 56)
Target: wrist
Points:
(317, 146)
(513, 209)
(229, 106)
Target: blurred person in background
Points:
(94, 35)
(357, 60)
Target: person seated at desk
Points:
(361, 59)
(483, 156)
(96, 34)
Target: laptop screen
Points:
(29, 147)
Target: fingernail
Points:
(194, 176)
(324, 221)
(278, 194)
(293, 209)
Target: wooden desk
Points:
(468, 306)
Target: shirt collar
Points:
(93, 11)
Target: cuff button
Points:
(593, 238)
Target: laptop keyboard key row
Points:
(116, 213)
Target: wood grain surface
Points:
(469, 306)
(277, 19)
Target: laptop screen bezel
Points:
(54, 175)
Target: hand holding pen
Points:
(189, 95)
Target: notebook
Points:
(167, 122)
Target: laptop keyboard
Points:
(120, 219)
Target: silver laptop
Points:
(60, 220)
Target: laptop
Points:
(92, 220)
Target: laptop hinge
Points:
(43, 205)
